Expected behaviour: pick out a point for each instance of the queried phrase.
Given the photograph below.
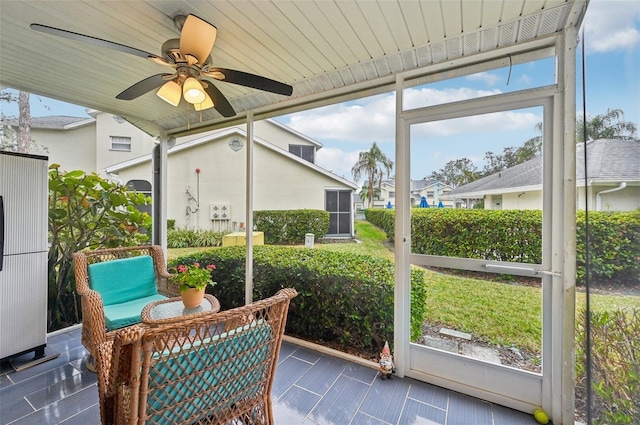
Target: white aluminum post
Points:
(568, 85)
(162, 219)
(249, 212)
(402, 291)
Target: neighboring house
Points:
(433, 191)
(206, 179)
(285, 174)
(90, 143)
(613, 181)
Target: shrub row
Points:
(345, 299)
(615, 362)
(291, 226)
(614, 245)
(516, 235)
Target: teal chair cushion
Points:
(209, 376)
(128, 313)
(123, 280)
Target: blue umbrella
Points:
(440, 204)
(389, 205)
(423, 203)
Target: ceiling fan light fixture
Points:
(170, 92)
(193, 91)
(208, 103)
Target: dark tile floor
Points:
(309, 388)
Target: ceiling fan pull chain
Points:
(188, 117)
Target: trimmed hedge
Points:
(291, 226)
(516, 235)
(614, 242)
(344, 298)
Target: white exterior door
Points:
(518, 370)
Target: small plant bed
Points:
(509, 356)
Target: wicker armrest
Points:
(94, 326)
(104, 355)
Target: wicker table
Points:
(172, 310)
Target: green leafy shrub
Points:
(291, 226)
(85, 211)
(187, 238)
(516, 235)
(171, 224)
(613, 243)
(615, 354)
(344, 298)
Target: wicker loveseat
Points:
(207, 369)
(114, 285)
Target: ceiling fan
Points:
(190, 56)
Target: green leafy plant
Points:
(516, 235)
(344, 299)
(185, 238)
(291, 226)
(194, 276)
(615, 363)
(86, 211)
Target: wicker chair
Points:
(94, 327)
(206, 369)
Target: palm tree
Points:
(606, 126)
(373, 164)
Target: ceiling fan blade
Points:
(250, 80)
(220, 102)
(144, 86)
(94, 41)
(197, 38)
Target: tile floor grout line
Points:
(82, 411)
(363, 399)
(426, 404)
(404, 404)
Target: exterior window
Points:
(392, 194)
(338, 204)
(305, 152)
(121, 143)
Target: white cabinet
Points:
(23, 253)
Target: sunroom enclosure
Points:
(351, 50)
(552, 387)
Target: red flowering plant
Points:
(194, 276)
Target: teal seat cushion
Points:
(123, 280)
(128, 313)
(196, 381)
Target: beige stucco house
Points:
(612, 183)
(206, 172)
(206, 178)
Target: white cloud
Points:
(365, 121)
(337, 161)
(486, 77)
(372, 119)
(348, 128)
(612, 25)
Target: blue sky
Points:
(612, 39)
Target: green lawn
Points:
(369, 240)
(509, 315)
